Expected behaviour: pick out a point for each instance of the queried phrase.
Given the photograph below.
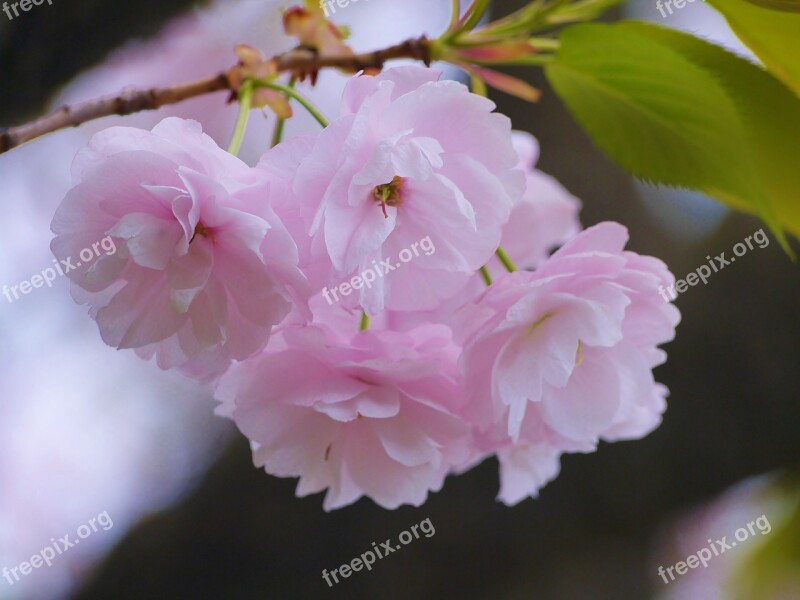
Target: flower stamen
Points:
(200, 229)
(389, 194)
(579, 355)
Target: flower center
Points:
(389, 194)
(200, 229)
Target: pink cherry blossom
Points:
(543, 218)
(203, 269)
(357, 413)
(556, 360)
(410, 157)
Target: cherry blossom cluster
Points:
(456, 357)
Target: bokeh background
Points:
(85, 429)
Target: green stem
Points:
(533, 60)
(516, 22)
(478, 86)
(245, 102)
(455, 8)
(545, 43)
(277, 135)
(478, 9)
(364, 322)
(312, 110)
(463, 24)
(506, 260)
(487, 278)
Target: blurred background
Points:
(85, 429)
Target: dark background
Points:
(733, 410)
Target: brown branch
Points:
(299, 61)
(126, 103)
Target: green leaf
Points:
(666, 116)
(769, 113)
(773, 34)
(787, 5)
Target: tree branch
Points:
(299, 62)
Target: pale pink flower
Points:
(203, 268)
(357, 413)
(556, 360)
(410, 157)
(543, 218)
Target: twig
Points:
(299, 61)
